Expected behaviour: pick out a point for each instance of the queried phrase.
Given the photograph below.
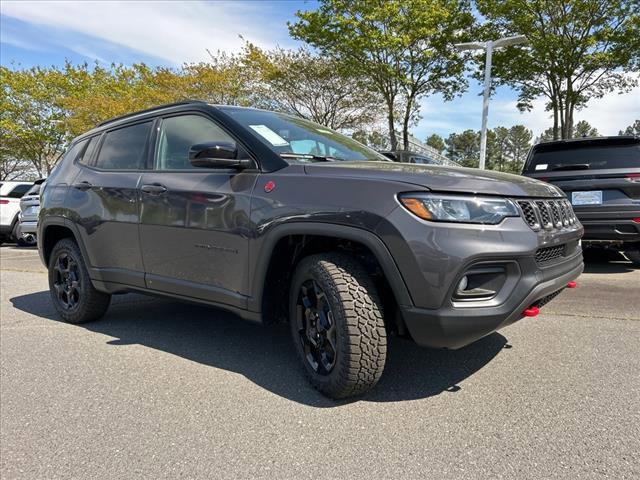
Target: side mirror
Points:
(217, 155)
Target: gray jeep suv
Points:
(276, 218)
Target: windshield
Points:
(588, 157)
(299, 140)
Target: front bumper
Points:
(452, 327)
(434, 257)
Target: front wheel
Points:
(72, 293)
(337, 325)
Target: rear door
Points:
(104, 201)
(195, 225)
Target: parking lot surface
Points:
(163, 389)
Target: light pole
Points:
(488, 47)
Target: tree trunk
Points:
(405, 124)
(392, 121)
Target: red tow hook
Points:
(531, 312)
(572, 284)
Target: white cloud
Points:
(176, 32)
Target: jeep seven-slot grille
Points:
(548, 254)
(547, 214)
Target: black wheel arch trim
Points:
(59, 221)
(365, 237)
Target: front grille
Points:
(529, 214)
(544, 300)
(547, 214)
(548, 254)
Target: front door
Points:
(195, 221)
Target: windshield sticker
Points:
(269, 135)
(542, 166)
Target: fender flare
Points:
(59, 221)
(365, 237)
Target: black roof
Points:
(587, 141)
(152, 109)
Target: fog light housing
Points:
(480, 283)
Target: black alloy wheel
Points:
(317, 328)
(66, 281)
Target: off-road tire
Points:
(361, 339)
(91, 304)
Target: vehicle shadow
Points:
(598, 260)
(265, 355)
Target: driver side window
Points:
(178, 134)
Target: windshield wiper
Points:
(573, 166)
(317, 158)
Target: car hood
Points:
(439, 178)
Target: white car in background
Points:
(10, 195)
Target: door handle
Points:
(154, 189)
(82, 185)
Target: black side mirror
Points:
(217, 155)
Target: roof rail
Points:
(152, 109)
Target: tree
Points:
(584, 129)
(464, 148)
(575, 51)
(32, 119)
(437, 142)
(631, 129)
(318, 88)
(373, 139)
(497, 154)
(518, 143)
(403, 47)
(580, 129)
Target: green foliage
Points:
(631, 129)
(464, 148)
(373, 139)
(580, 129)
(584, 129)
(404, 48)
(507, 148)
(318, 88)
(576, 50)
(437, 142)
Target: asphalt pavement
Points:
(163, 389)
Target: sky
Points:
(167, 33)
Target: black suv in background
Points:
(274, 217)
(601, 177)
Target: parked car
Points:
(10, 194)
(28, 217)
(601, 176)
(274, 217)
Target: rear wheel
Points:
(72, 293)
(337, 325)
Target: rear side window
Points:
(91, 148)
(587, 157)
(124, 149)
(19, 191)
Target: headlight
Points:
(459, 208)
